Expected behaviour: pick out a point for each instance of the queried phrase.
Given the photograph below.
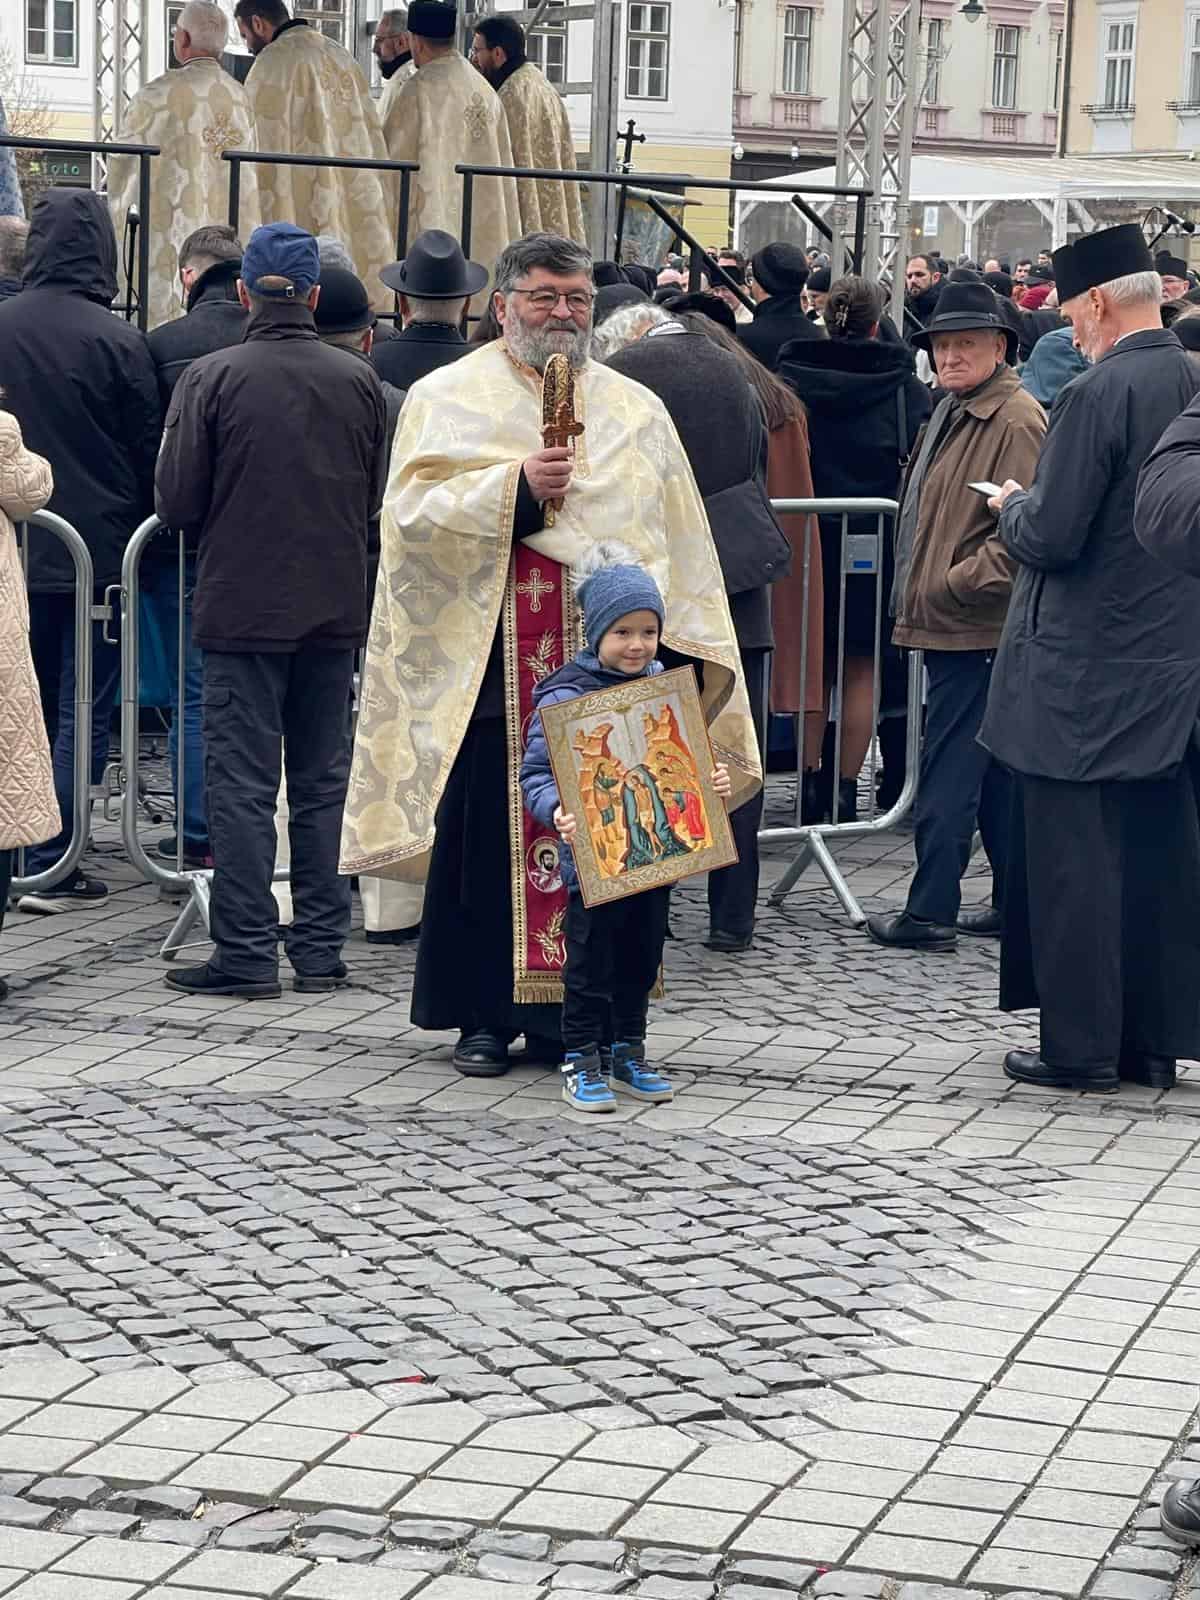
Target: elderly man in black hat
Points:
(435, 282)
(778, 274)
(1174, 272)
(1093, 702)
(950, 596)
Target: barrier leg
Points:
(792, 876)
(194, 911)
(823, 858)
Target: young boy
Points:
(614, 951)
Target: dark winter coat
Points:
(81, 383)
(273, 457)
(1097, 678)
(720, 425)
(422, 348)
(1167, 511)
(539, 787)
(10, 287)
(852, 390)
(922, 307)
(215, 320)
(777, 321)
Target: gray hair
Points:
(420, 310)
(396, 19)
(626, 326)
(206, 23)
(331, 252)
(14, 233)
(351, 339)
(1135, 289)
(550, 251)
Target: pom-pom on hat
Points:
(610, 584)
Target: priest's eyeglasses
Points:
(579, 302)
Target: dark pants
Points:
(1102, 920)
(262, 711)
(614, 953)
(6, 877)
(959, 784)
(52, 642)
(733, 891)
(160, 585)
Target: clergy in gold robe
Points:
(449, 114)
(539, 129)
(309, 97)
(192, 112)
(474, 607)
(393, 56)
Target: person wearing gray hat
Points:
(778, 274)
(1094, 701)
(435, 283)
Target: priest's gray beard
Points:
(533, 346)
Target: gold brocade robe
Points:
(446, 541)
(309, 97)
(540, 133)
(391, 90)
(446, 114)
(193, 113)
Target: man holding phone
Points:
(950, 598)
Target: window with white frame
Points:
(1191, 86)
(1006, 61)
(935, 54)
(327, 16)
(1119, 40)
(547, 47)
(797, 50)
(52, 32)
(1056, 45)
(648, 51)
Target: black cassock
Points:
(1094, 701)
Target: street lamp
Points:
(973, 10)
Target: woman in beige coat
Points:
(28, 808)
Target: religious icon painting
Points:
(633, 764)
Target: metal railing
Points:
(278, 158)
(81, 786)
(862, 555)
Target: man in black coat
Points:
(1094, 699)
(779, 273)
(922, 291)
(210, 260)
(272, 459)
(435, 282)
(720, 425)
(82, 385)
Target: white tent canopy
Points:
(1058, 190)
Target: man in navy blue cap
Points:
(272, 459)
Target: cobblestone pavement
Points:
(289, 1309)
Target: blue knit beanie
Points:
(609, 585)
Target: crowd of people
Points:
(354, 497)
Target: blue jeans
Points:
(160, 584)
(52, 641)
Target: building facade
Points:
(1133, 78)
(988, 85)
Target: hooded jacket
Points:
(81, 383)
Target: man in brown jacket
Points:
(950, 598)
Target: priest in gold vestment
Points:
(473, 607)
(309, 97)
(538, 127)
(445, 115)
(393, 56)
(192, 112)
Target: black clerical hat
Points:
(343, 306)
(432, 19)
(435, 268)
(963, 307)
(1170, 266)
(703, 304)
(1098, 258)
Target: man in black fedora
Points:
(1094, 700)
(435, 282)
(949, 598)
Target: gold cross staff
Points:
(559, 423)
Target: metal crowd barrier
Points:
(862, 555)
(85, 614)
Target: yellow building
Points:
(1133, 78)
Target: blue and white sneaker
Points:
(631, 1075)
(585, 1084)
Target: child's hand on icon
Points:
(720, 780)
(565, 823)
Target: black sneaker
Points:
(197, 855)
(69, 896)
(211, 980)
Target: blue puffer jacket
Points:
(581, 676)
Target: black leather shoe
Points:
(322, 982)
(1156, 1072)
(899, 931)
(1179, 1513)
(981, 922)
(394, 935)
(728, 944)
(482, 1053)
(1026, 1066)
(211, 980)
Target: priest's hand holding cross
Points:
(548, 473)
